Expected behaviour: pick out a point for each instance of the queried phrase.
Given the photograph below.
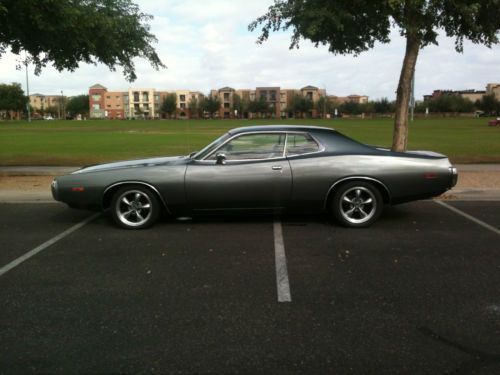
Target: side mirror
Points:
(220, 158)
(193, 154)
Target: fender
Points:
(350, 178)
(136, 183)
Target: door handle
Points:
(276, 167)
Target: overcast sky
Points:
(206, 44)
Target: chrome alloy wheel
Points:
(358, 205)
(133, 208)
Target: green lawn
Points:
(464, 140)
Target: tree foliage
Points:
(212, 105)
(489, 104)
(78, 105)
(351, 27)
(301, 104)
(67, 32)
(169, 105)
(450, 103)
(12, 97)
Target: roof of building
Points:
(309, 88)
(98, 86)
(227, 88)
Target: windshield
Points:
(212, 146)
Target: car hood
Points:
(151, 162)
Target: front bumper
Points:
(453, 176)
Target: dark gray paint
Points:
(303, 182)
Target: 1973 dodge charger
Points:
(271, 168)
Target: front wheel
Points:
(135, 207)
(357, 204)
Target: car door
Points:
(254, 175)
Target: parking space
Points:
(418, 292)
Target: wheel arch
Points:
(383, 189)
(108, 193)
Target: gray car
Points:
(261, 168)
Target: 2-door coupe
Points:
(269, 168)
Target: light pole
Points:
(412, 97)
(28, 105)
(63, 111)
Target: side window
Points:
(298, 144)
(253, 146)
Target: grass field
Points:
(464, 140)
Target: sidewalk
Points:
(32, 183)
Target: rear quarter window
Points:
(299, 144)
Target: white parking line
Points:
(471, 218)
(43, 246)
(282, 281)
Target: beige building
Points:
(493, 89)
(41, 103)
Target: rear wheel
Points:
(135, 207)
(357, 204)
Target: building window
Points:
(272, 94)
(309, 95)
(125, 98)
(226, 96)
(182, 98)
(157, 98)
(96, 97)
(109, 105)
(182, 105)
(145, 97)
(117, 97)
(96, 107)
(226, 105)
(263, 95)
(136, 97)
(108, 97)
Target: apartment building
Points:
(147, 102)
(493, 89)
(359, 99)
(40, 103)
(471, 94)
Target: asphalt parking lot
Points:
(418, 292)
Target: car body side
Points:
(303, 182)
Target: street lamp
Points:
(28, 105)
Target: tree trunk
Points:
(400, 135)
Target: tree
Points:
(212, 105)
(239, 105)
(301, 104)
(67, 32)
(78, 105)
(489, 104)
(352, 27)
(383, 106)
(324, 106)
(193, 106)
(169, 105)
(12, 98)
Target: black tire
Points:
(135, 207)
(357, 204)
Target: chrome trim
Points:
(286, 132)
(137, 183)
(355, 178)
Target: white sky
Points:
(206, 45)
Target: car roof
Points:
(270, 128)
